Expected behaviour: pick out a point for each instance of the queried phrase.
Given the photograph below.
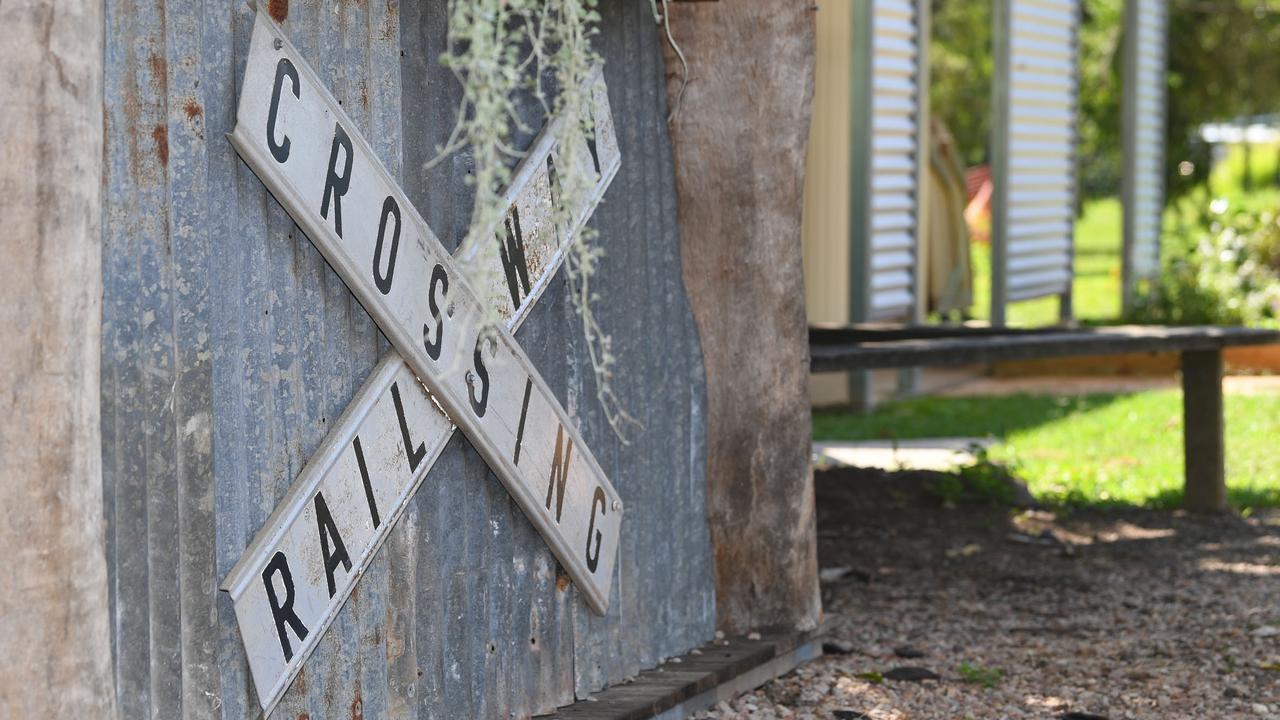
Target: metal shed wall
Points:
(1033, 161)
(862, 178)
(888, 129)
(229, 346)
(1144, 92)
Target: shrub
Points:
(1222, 270)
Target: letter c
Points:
(284, 68)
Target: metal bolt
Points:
(449, 310)
(471, 379)
(277, 43)
(617, 506)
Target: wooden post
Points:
(55, 644)
(739, 141)
(1206, 488)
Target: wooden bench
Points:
(866, 347)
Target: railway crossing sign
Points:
(447, 369)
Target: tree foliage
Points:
(961, 65)
(1223, 63)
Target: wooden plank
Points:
(991, 348)
(55, 623)
(680, 680)
(248, 414)
(1202, 429)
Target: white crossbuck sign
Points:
(300, 568)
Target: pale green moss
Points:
(496, 49)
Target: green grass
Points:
(1094, 449)
(987, 677)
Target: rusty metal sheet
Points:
(230, 348)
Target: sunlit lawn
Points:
(1087, 449)
(1100, 448)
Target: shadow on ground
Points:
(1092, 612)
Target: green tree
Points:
(961, 65)
(1100, 154)
(1223, 63)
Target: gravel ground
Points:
(1027, 614)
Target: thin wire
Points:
(664, 19)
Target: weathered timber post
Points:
(1206, 488)
(739, 141)
(55, 649)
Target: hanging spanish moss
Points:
(499, 50)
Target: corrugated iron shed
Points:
(229, 346)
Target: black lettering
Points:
(514, 263)
(389, 209)
(283, 612)
(368, 486)
(480, 377)
(553, 188)
(335, 184)
(524, 411)
(593, 559)
(553, 180)
(438, 279)
(329, 531)
(415, 455)
(595, 154)
(559, 471)
(284, 69)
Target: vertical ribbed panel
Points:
(886, 173)
(230, 348)
(1034, 166)
(1144, 90)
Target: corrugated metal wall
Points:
(1034, 163)
(229, 346)
(887, 131)
(1144, 89)
(862, 176)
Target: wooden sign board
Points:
(302, 565)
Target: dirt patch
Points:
(1032, 614)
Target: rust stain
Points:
(278, 10)
(357, 708)
(192, 109)
(159, 70)
(161, 135)
(364, 94)
(562, 581)
(303, 716)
